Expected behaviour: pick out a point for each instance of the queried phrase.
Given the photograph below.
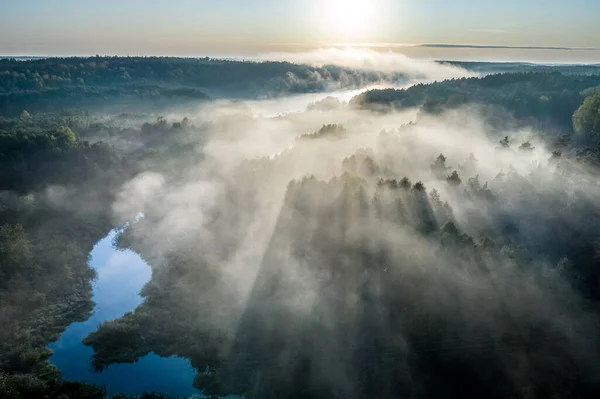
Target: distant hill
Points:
(48, 84)
(547, 100)
(520, 67)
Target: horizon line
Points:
(324, 45)
(25, 58)
(441, 45)
(491, 46)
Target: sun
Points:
(349, 19)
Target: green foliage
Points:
(8, 387)
(586, 120)
(65, 135)
(158, 83)
(51, 215)
(25, 116)
(540, 99)
(56, 191)
(354, 236)
(355, 232)
(15, 253)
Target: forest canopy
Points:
(144, 83)
(545, 100)
(407, 243)
(586, 119)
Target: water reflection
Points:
(121, 275)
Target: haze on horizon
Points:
(239, 28)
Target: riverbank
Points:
(121, 275)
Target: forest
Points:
(407, 243)
(544, 100)
(111, 84)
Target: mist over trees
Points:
(143, 84)
(543, 100)
(52, 213)
(373, 284)
(438, 241)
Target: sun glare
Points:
(349, 19)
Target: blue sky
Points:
(197, 27)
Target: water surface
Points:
(121, 275)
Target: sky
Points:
(246, 27)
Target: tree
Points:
(8, 387)
(561, 143)
(419, 186)
(450, 235)
(586, 120)
(66, 136)
(405, 183)
(454, 179)
(439, 166)
(25, 116)
(486, 243)
(15, 252)
(474, 184)
(505, 142)
(435, 197)
(555, 155)
(526, 146)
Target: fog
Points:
(296, 248)
(373, 60)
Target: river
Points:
(121, 275)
